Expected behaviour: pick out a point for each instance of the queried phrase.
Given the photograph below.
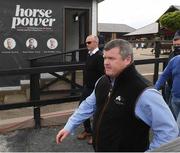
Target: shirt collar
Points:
(93, 52)
(112, 81)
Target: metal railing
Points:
(35, 86)
(37, 68)
(34, 74)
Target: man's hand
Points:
(62, 134)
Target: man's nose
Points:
(106, 61)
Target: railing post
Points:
(35, 95)
(156, 64)
(73, 73)
(163, 89)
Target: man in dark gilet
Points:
(125, 107)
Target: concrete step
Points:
(49, 119)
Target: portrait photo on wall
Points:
(9, 43)
(52, 43)
(31, 43)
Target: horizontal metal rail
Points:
(53, 55)
(42, 69)
(69, 67)
(37, 103)
(150, 61)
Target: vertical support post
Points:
(156, 64)
(35, 95)
(163, 89)
(94, 17)
(73, 73)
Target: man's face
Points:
(31, 42)
(113, 62)
(176, 42)
(9, 43)
(52, 42)
(91, 43)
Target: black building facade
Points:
(35, 28)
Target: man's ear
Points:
(128, 59)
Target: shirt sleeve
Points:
(165, 75)
(84, 111)
(152, 109)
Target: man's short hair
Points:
(125, 48)
(177, 35)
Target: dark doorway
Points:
(83, 33)
(76, 30)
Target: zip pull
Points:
(110, 91)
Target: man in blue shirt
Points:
(124, 106)
(175, 52)
(172, 71)
(171, 76)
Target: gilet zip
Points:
(100, 117)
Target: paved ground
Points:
(42, 140)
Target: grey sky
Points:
(135, 13)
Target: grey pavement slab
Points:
(42, 140)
